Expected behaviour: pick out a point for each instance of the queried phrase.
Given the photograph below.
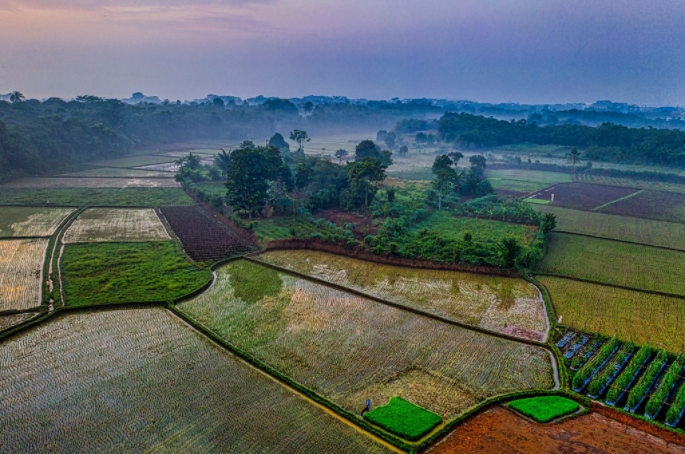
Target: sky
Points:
(529, 51)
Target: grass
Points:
(27, 221)
(645, 318)
(615, 227)
(523, 180)
(508, 305)
(152, 197)
(349, 349)
(545, 408)
(482, 230)
(615, 263)
(403, 418)
(213, 187)
(109, 273)
(140, 380)
(21, 272)
(62, 183)
(537, 201)
(116, 224)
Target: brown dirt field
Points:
(340, 218)
(582, 196)
(664, 206)
(500, 431)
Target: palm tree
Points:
(222, 160)
(16, 96)
(574, 158)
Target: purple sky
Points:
(537, 51)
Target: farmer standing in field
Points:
(367, 408)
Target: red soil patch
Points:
(582, 196)
(500, 431)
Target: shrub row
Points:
(584, 375)
(677, 408)
(579, 360)
(627, 377)
(656, 401)
(600, 381)
(639, 392)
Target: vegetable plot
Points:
(640, 390)
(507, 305)
(21, 270)
(350, 349)
(658, 398)
(583, 376)
(600, 381)
(625, 380)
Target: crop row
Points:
(628, 375)
(204, 239)
(583, 376)
(640, 390)
(658, 398)
(600, 381)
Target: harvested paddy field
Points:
(507, 305)
(31, 221)
(116, 224)
(113, 273)
(482, 230)
(21, 269)
(582, 196)
(645, 318)
(167, 167)
(525, 181)
(8, 321)
(348, 348)
(615, 263)
(133, 161)
(117, 172)
(501, 431)
(135, 197)
(615, 227)
(140, 380)
(55, 183)
(664, 206)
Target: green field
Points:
(152, 197)
(642, 317)
(403, 418)
(522, 180)
(350, 349)
(140, 380)
(213, 187)
(482, 230)
(545, 408)
(117, 172)
(134, 161)
(615, 227)
(106, 273)
(282, 227)
(615, 263)
(27, 221)
(507, 305)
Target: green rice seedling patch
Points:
(645, 318)
(350, 349)
(134, 161)
(545, 408)
(31, 221)
(615, 263)
(615, 227)
(482, 230)
(403, 418)
(141, 380)
(507, 305)
(21, 273)
(106, 273)
(116, 224)
(134, 197)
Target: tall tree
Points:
(366, 149)
(222, 160)
(279, 142)
(16, 96)
(341, 154)
(445, 177)
(300, 137)
(574, 158)
(364, 176)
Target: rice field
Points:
(140, 380)
(630, 183)
(28, 221)
(523, 180)
(133, 197)
(626, 228)
(21, 270)
(166, 167)
(116, 224)
(8, 321)
(56, 183)
(615, 263)
(117, 172)
(350, 349)
(631, 315)
(507, 305)
(133, 161)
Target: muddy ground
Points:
(500, 431)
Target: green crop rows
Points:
(586, 372)
(625, 379)
(600, 381)
(657, 399)
(640, 390)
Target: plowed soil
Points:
(582, 196)
(501, 431)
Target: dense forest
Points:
(608, 142)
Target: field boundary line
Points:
(621, 241)
(619, 199)
(399, 306)
(623, 287)
(36, 237)
(59, 234)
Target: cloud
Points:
(113, 5)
